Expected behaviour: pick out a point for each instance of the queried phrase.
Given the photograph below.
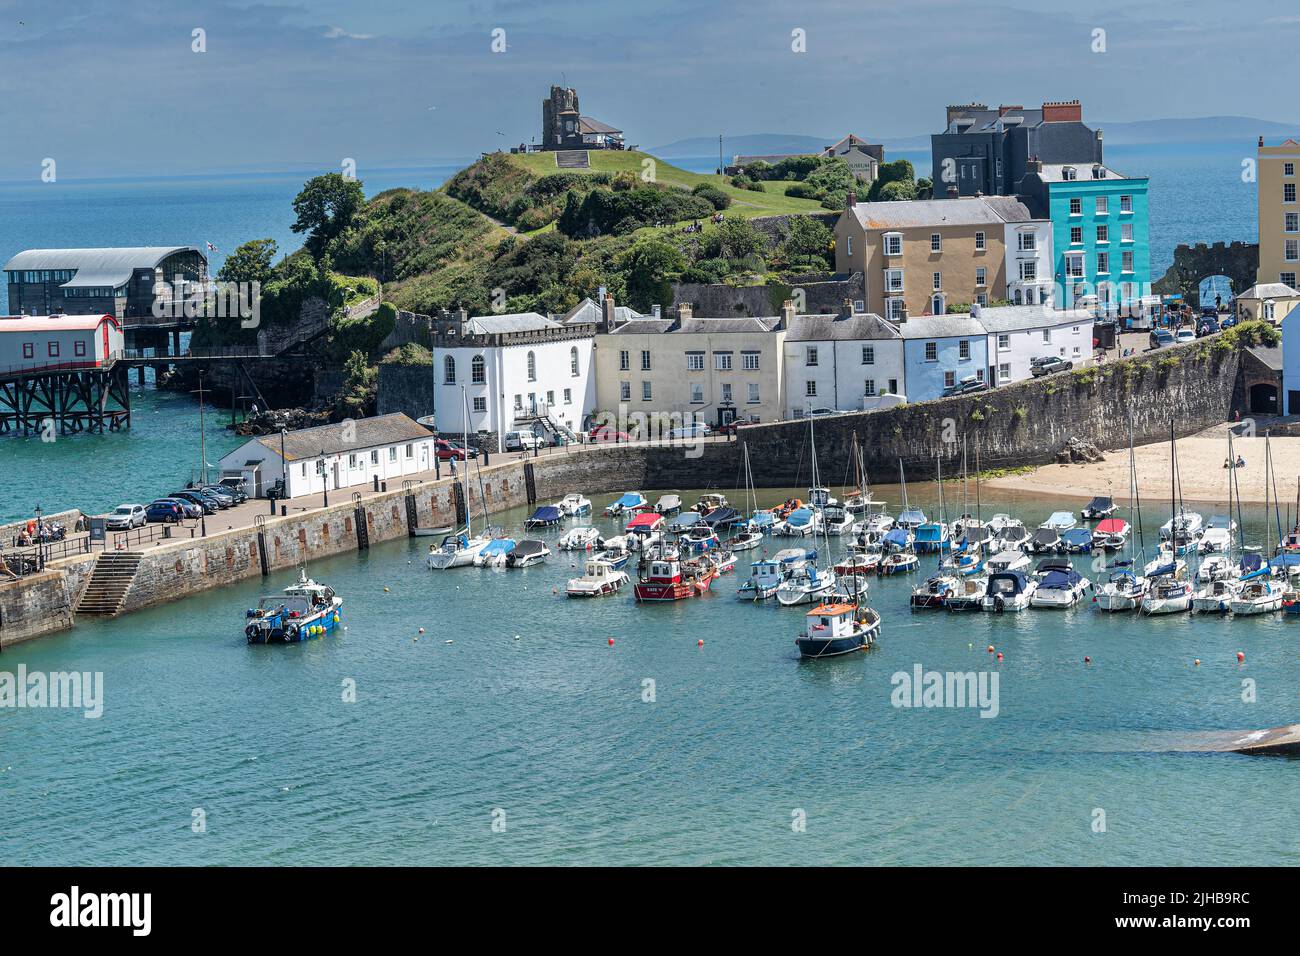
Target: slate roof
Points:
(1015, 318)
(643, 326)
(1270, 355)
(821, 328)
(95, 267)
(940, 327)
(1054, 173)
(589, 124)
(588, 310)
(901, 214)
(1013, 208)
(986, 121)
(1269, 290)
(724, 324)
(512, 322)
(370, 433)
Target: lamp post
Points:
(40, 538)
(325, 479)
(284, 473)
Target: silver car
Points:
(124, 517)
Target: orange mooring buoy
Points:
(1240, 657)
(611, 642)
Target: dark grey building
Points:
(985, 150)
(117, 282)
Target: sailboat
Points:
(1124, 590)
(751, 535)
(934, 591)
(1168, 591)
(1215, 571)
(810, 582)
(901, 554)
(1259, 593)
(461, 548)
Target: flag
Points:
(211, 247)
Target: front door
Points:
(336, 476)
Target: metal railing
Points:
(23, 369)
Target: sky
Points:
(115, 87)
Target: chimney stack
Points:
(952, 191)
(1065, 111)
(684, 312)
(656, 311)
(1033, 165)
(852, 199)
(847, 306)
(1261, 141)
(607, 311)
(975, 310)
(787, 312)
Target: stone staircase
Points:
(111, 579)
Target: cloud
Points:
(335, 33)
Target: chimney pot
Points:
(852, 199)
(684, 311)
(787, 310)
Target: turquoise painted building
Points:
(1100, 236)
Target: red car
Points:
(605, 433)
(731, 427)
(448, 450)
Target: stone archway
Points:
(1263, 398)
(1239, 261)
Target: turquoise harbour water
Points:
(532, 714)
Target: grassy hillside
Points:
(771, 202)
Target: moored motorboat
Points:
(667, 577)
(766, 575)
(1123, 591)
(1111, 534)
(1077, 541)
(709, 502)
(1060, 520)
(1059, 588)
(1008, 591)
(579, 539)
(305, 610)
(933, 592)
(723, 561)
(699, 539)
(598, 578)
(831, 630)
(797, 524)
(747, 539)
(631, 501)
(806, 584)
(931, 537)
(969, 594)
(526, 553)
(1011, 559)
(859, 561)
(572, 505)
(456, 551)
(1185, 523)
(494, 554)
(1045, 540)
(668, 504)
(834, 519)
(547, 516)
(1101, 506)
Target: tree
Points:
(250, 262)
(900, 170)
(647, 265)
(326, 207)
(734, 239)
(808, 239)
(899, 189)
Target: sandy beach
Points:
(1200, 465)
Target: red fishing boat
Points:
(666, 577)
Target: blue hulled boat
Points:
(547, 516)
(307, 610)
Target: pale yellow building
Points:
(1279, 212)
(1270, 301)
(711, 370)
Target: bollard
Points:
(284, 510)
(383, 485)
(375, 478)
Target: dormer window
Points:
(1098, 172)
(1069, 174)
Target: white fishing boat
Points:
(833, 629)
(821, 497)
(1008, 591)
(579, 539)
(598, 578)
(1059, 588)
(710, 502)
(724, 561)
(1123, 591)
(878, 523)
(573, 505)
(933, 592)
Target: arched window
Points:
(573, 361)
(477, 373)
(1017, 297)
(532, 367)
(449, 371)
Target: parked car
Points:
(823, 412)
(971, 383)
(188, 508)
(731, 427)
(124, 517)
(164, 511)
(235, 483)
(1047, 364)
(1185, 335)
(223, 495)
(694, 430)
(208, 504)
(522, 441)
(1228, 321)
(448, 450)
(238, 494)
(605, 433)
(1160, 338)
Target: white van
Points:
(695, 430)
(522, 441)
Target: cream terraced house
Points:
(847, 362)
(920, 257)
(712, 370)
(1277, 184)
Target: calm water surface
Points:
(529, 711)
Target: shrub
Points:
(713, 195)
